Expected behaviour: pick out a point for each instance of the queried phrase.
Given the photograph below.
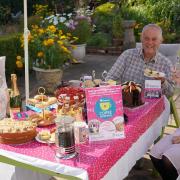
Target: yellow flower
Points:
(18, 58)
(60, 42)
(52, 28)
(65, 49)
(30, 37)
(35, 27)
(69, 34)
(50, 42)
(60, 32)
(63, 37)
(19, 64)
(75, 61)
(41, 31)
(40, 54)
(75, 38)
(45, 43)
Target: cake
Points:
(131, 93)
(42, 101)
(42, 119)
(16, 132)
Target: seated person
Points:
(165, 156)
(131, 64)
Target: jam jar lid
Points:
(64, 120)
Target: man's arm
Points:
(168, 87)
(168, 84)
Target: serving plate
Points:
(44, 141)
(153, 74)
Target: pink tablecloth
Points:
(98, 158)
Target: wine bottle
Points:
(15, 97)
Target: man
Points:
(131, 64)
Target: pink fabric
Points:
(100, 156)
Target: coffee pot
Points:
(64, 137)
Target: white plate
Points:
(153, 74)
(41, 141)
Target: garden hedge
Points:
(10, 47)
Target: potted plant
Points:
(81, 30)
(49, 51)
(79, 25)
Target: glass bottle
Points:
(15, 97)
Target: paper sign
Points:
(152, 89)
(105, 113)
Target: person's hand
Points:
(176, 139)
(162, 79)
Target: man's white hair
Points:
(155, 26)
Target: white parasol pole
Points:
(26, 33)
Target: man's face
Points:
(151, 40)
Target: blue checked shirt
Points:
(130, 66)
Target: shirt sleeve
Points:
(117, 70)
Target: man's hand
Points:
(162, 79)
(176, 140)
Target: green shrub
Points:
(106, 8)
(82, 30)
(163, 12)
(5, 15)
(103, 17)
(10, 47)
(31, 21)
(117, 29)
(100, 40)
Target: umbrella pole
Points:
(26, 33)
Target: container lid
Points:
(64, 120)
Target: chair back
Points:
(171, 51)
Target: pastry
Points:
(41, 97)
(44, 135)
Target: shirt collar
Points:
(154, 59)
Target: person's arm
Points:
(168, 87)
(116, 71)
(167, 83)
(176, 139)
